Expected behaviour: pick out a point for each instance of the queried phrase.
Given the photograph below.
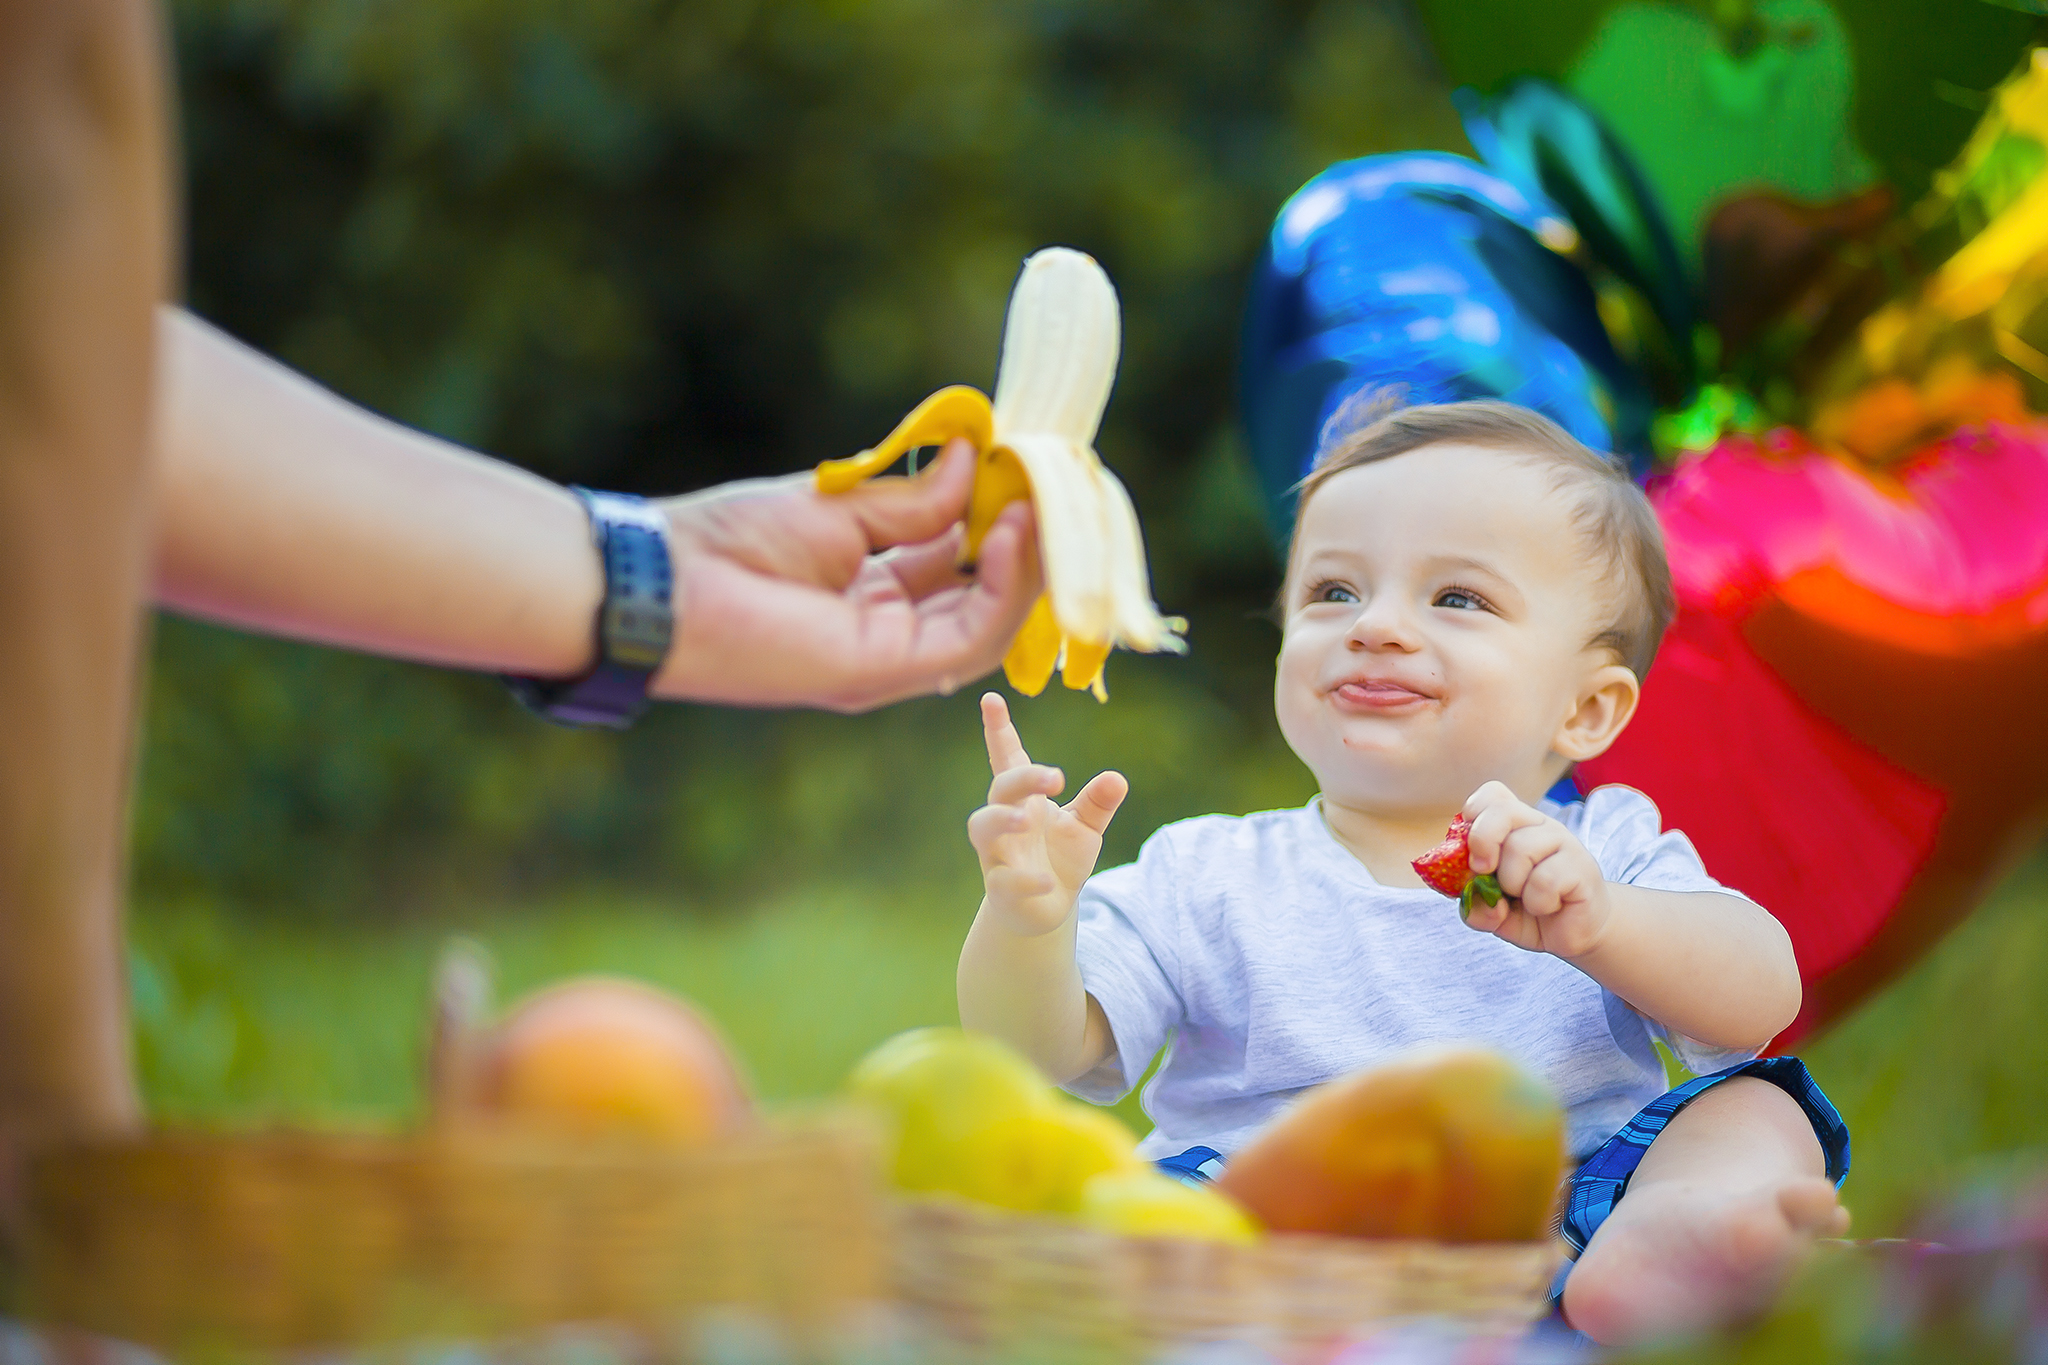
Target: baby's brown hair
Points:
(1609, 510)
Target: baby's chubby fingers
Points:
(1495, 813)
(1486, 918)
(1546, 886)
(1015, 786)
(1096, 804)
(988, 827)
(1525, 849)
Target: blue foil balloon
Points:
(1426, 271)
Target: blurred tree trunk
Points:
(84, 259)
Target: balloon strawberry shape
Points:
(1857, 658)
(1447, 869)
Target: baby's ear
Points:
(1606, 703)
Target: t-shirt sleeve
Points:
(1625, 833)
(1123, 942)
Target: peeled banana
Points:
(1037, 441)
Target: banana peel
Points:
(1036, 440)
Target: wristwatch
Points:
(634, 624)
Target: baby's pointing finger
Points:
(1005, 746)
(1020, 784)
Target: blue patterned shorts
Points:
(1602, 1178)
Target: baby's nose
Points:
(1383, 627)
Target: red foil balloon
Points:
(1850, 714)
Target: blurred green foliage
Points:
(655, 245)
(317, 785)
(660, 244)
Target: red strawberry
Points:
(1447, 869)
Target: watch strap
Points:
(634, 624)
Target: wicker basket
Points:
(240, 1245)
(978, 1281)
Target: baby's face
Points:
(1438, 613)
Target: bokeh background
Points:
(651, 246)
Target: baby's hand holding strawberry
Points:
(1547, 893)
(1035, 853)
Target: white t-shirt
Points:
(1270, 960)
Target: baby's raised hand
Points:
(1034, 852)
(1557, 898)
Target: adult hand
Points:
(786, 596)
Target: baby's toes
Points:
(1811, 1206)
(1753, 1236)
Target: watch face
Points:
(634, 625)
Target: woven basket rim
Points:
(943, 1200)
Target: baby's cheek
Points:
(1305, 722)
(1296, 714)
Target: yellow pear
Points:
(958, 1106)
(1081, 1142)
(1149, 1203)
(970, 1116)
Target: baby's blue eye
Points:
(1459, 599)
(1332, 592)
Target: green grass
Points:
(244, 1020)
(1949, 1066)
(248, 1019)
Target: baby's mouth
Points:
(1377, 694)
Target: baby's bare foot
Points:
(1675, 1258)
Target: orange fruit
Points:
(607, 1055)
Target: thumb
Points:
(1486, 918)
(899, 511)
(1096, 804)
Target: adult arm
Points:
(84, 257)
(288, 510)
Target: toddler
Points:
(1472, 598)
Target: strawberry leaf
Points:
(1484, 887)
